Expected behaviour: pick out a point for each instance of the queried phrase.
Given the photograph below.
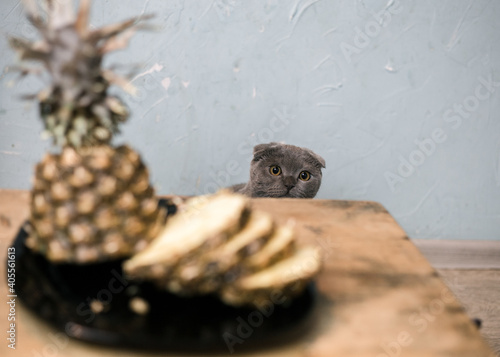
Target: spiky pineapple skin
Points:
(92, 204)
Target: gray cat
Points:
(280, 170)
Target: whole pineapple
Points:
(91, 201)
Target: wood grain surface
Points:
(479, 292)
(377, 295)
(460, 254)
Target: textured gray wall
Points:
(400, 97)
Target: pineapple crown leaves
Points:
(75, 108)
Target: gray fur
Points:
(292, 160)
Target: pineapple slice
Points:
(288, 277)
(195, 230)
(217, 244)
(281, 245)
(225, 260)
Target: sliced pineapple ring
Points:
(216, 244)
(197, 229)
(288, 277)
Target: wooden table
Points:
(378, 296)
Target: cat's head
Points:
(280, 170)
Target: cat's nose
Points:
(289, 182)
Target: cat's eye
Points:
(305, 176)
(275, 170)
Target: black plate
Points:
(61, 295)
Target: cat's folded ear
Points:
(262, 150)
(319, 159)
